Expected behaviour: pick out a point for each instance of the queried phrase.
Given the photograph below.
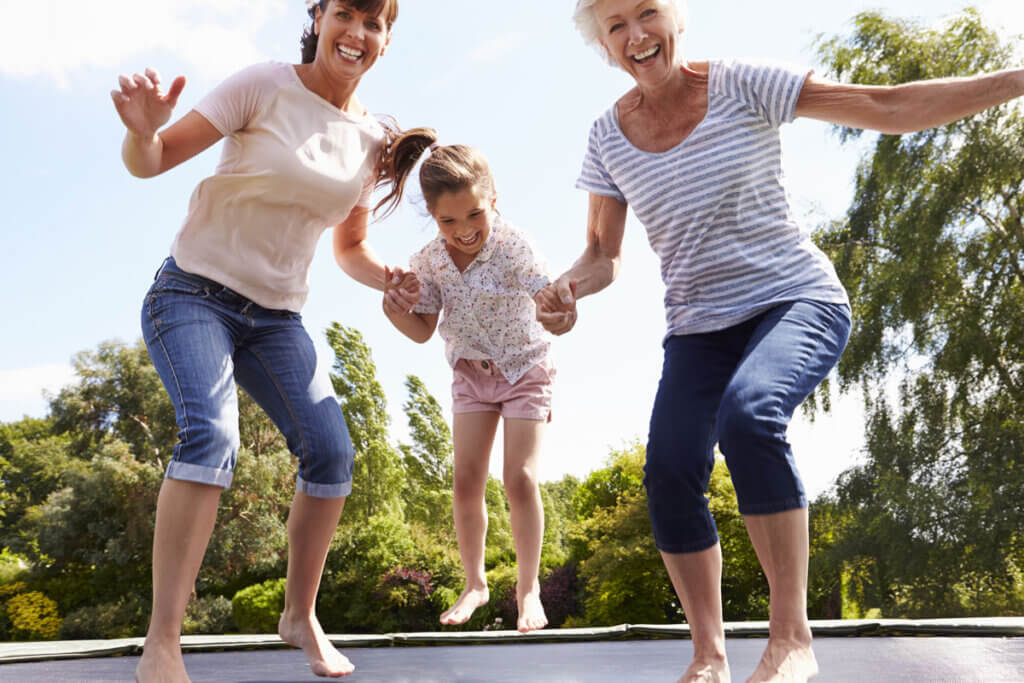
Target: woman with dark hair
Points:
(756, 316)
(301, 153)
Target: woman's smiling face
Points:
(350, 41)
(640, 36)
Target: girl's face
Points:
(640, 35)
(349, 41)
(464, 218)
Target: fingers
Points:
(558, 322)
(566, 291)
(177, 85)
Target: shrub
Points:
(209, 616)
(33, 616)
(124, 618)
(258, 608)
(12, 567)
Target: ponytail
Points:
(399, 154)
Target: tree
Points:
(930, 251)
(428, 461)
(378, 465)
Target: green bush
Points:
(124, 618)
(12, 567)
(258, 608)
(208, 616)
(33, 616)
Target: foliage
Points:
(428, 461)
(125, 617)
(12, 567)
(930, 251)
(378, 465)
(258, 608)
(33, 616)
(209, 615)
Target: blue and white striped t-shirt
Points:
(715, 207)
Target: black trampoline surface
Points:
(842, 660)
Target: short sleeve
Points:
(531, 269)
(430, 293)
(233, 104)
(771, 89)
(594, 176)
(366, 195)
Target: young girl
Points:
(482, 273)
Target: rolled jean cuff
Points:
(339, 490)
(774, 506)
(200, 474)
(691, 547)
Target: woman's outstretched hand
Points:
(142, 105)
(401, 291)
(556, 306)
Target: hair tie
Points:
(433, 147)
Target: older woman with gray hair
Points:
(756, 316)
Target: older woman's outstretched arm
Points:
(592, 272)
(910, 107)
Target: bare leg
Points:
(311, 525)
(781, 543)
(185, 514)
(526, 515)
(697, 578)
(473, 436)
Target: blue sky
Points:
(81, 238)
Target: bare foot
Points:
(304, 632)
(714, 670)
(160, 664)
(464, 607)
(531, 613)
(785, 662)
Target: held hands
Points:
(143, 107)
(401, 291)
(556, 306)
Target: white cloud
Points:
(28, 384)
(53, 39)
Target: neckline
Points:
(679, 145)
(357, 118)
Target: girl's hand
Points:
(556, 306)
(401, 291)
(143, 107)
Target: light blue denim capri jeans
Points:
(203, 338)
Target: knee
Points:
(740, 423)
(520, 484)
(469, 482)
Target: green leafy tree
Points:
(930, 251)
(428, 461)
(378, 466)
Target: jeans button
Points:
(485, 365)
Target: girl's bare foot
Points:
(531, 613)
(785, 662)
(305, 633)
(464, 607)
(715, 670)
(161, 665)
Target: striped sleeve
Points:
(594, 176)
(771, 89)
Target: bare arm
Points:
(594, 270)
(416, 326)
(144, 107)
(353, 253)
(910, 107)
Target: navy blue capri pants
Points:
(203, 337)
(736, 387)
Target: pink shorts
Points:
(479, 387)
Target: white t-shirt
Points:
(489, 312)
(292, 165)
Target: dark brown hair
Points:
(449, 168)
(389, 8)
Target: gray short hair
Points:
(586, 22)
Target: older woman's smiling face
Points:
(640, 36)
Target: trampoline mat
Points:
(841, 660)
